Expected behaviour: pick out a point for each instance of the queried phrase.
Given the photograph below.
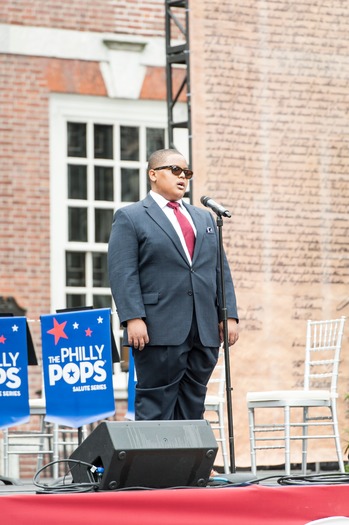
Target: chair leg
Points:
(305, 441)
(5, 450)
(333, 409)
(55, 450)
(251, 419)
(287, 440)
(223, 439)
(39, 461)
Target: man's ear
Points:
(152, 175)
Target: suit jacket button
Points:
(190, 292)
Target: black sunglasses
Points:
(176, 170)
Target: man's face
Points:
(165, 183)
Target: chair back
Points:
(322, 355)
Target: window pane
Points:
(155, 140)
(77, 182)
(75, 300)
(77, 224)
(103, 142)
(102, 301)
(104, 184)
(75, 269)
(100, 270)
(129, 143)
(129, 185)
(76, 139)
(103, 222)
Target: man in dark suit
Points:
(167, 297)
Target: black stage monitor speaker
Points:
(152, 454)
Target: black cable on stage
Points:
(315, 479)
(302, 480)
(64, 486)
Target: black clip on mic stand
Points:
(243, 477)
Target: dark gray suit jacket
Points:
(151, 277)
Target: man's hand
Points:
(137, 333)
(233, 331)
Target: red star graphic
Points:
(58, 330)
(2, 339)
(88, 332)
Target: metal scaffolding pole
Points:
(177, 57)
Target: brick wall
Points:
(270, 98)
(144, 18)
(91, 15)
(24, 196)
(121, 16)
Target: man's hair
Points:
(158, 158)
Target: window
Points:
(101, 171)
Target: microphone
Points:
(217, 208)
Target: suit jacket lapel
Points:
(159, 217)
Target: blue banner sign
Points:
(14, 394)
(77, 366)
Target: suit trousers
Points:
(172, 380)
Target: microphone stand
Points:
(228, 386)
(233, 477)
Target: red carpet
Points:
(251, 505)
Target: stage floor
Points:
(262, 503)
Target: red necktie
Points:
(186, 227)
